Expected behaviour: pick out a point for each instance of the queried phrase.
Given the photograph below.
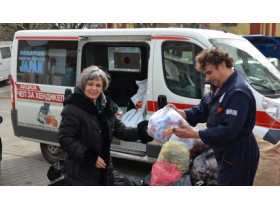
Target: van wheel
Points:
(52, 153)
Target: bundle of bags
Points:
(180, 160)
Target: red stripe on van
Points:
(263, 119)
(49, 37)
(170, 37)
(152, 106)
(276, 125)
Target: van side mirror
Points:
(161, 101)
(207, 88)
(67, 92)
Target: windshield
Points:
(251, 64)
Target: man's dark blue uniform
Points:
(230, 117)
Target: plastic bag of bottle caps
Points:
(175, 152)
(162, 122)
(188, 141)
(205, 168)
(199, 147)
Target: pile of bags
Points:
(181, 161)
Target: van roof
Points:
(189, 32)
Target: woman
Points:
(87, 127)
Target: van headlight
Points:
(271, 108)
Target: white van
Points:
(5, 59)
(165, 57)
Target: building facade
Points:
(268, 29)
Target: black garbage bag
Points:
(205, 168)
(122, 180)
(183, 181)
(147, 180)
(209, 183)
(135, 181)
(56, 170)
(58, 181)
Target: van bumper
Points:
(30, 132)
(272, 136)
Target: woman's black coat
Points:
(86, 133)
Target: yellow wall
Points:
(240, 29)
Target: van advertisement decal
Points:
(33, 92)
(43, 118)
(32, 61)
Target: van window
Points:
(124, 59)
(5, 52)
(180, 75)
(47, 62)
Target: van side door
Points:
(175, 75)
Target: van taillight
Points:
(13, 92)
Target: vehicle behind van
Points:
(164, 58)
(5, 59)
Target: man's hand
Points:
(100, 163)
(180, 111)
(186, 132)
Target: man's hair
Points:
(213, 56)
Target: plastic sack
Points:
(162, 122)
(188, 141)
(199, 147)
(58, 181)
(122, 180)
(175, 152)
(205, 168)
(164, 174)
(210, 183)
(56, 170)
(183, 181)
(119, 113)
(147, 180)
(134, 116)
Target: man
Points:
(69, 79)
(230, 113)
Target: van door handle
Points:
(161, 101)
(0, 63)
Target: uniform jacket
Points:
(230, 117)
(86, 133)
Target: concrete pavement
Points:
(22, 162)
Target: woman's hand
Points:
(180, 111)
(186, 132)
(100, 163)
